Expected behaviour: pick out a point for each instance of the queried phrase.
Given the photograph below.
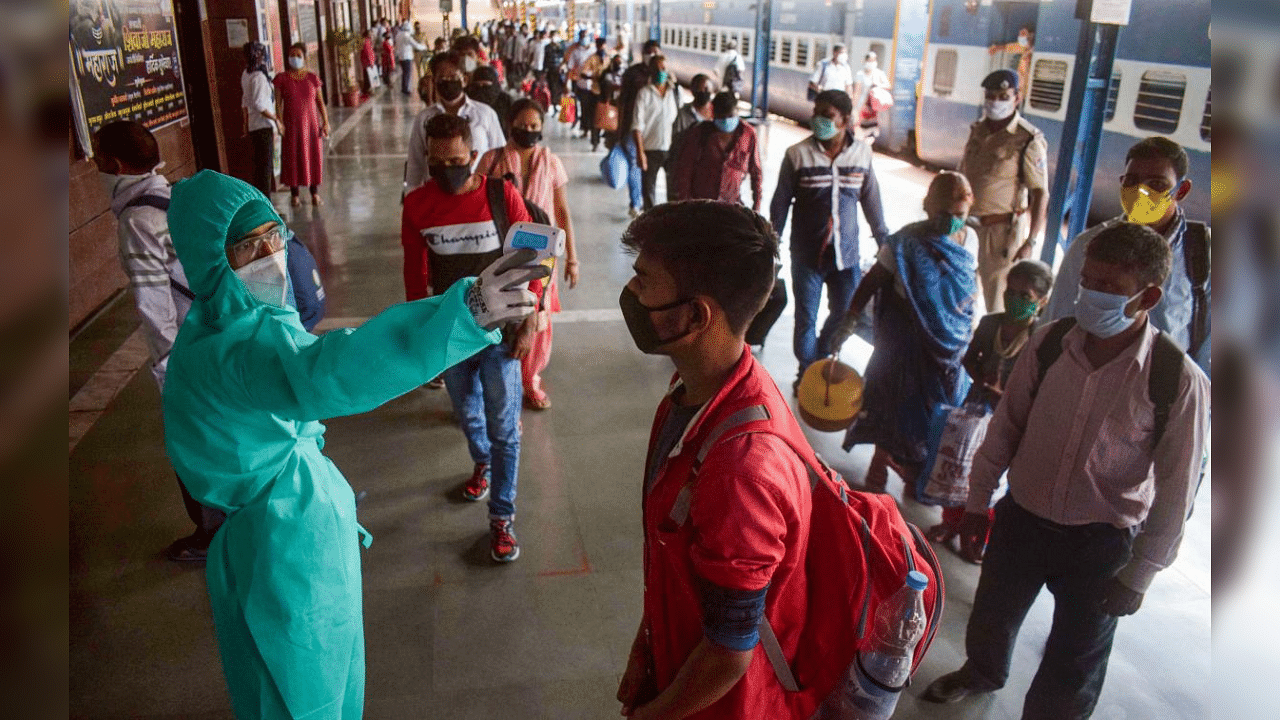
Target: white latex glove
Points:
(501, 295)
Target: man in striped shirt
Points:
(1102, 477)
(827, 175)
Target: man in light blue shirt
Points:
(1155, 181)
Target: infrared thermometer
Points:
(546, 240)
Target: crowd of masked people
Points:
(1095, 378)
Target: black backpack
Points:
(304, 274)
(1197, 252)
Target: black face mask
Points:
(701, 97)
(450, 178)
(526, 138)
(449, 90)
(639, 321)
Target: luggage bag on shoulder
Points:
(860, 550)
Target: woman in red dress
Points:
(305, 122)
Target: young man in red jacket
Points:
(448, 233)
(728, 550)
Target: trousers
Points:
(1076, 562)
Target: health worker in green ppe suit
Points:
(247, 387)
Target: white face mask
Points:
(841, 58)
(999, 109)
(468, 64)
(267, 279)
(869, 65)
(296, 62)
(1102, 314)
(1024, 41)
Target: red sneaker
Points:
(477, 488)
(503, 546)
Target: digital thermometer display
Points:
(526, 239)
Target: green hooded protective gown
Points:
(246, 388)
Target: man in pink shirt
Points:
(1102, 476)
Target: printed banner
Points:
(124, 62)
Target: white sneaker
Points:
(634, 213)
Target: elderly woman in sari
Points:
(925, 284)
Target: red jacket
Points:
(748, 527)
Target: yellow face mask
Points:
(1143, 205)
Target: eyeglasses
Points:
(1158, 184)
(249, 249)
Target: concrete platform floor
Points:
(449, 634)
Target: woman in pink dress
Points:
(305, 120)
(540, 177)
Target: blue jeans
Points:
(806, 286)
(486, 394)
(635, 178)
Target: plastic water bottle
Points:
(878, 675)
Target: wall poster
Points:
(124, 65)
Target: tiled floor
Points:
(448, 634)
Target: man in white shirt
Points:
(657, 105)
(574, 61)
(869, 77)
(405, 47)
(730, 79)
(833, 73)
(486, 130)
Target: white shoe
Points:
(634, 213)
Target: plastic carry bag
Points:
(955, 433)
(613, 168)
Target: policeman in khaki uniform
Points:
(1004, 160)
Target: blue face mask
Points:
(824, 128)
(1102, 314)
(660, 77)
(727, 125)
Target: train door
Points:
(904, 64)
(1012, 40)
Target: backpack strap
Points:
(495, 189)
(1050, 350)
(1197, 252)
(1163, 382)
(684, 500)
(161, 203)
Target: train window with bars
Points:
(688, 39)
(715, 42)
(773, 49)
(802, 53)
(1113, 95)
(1206, 122)
(820, 51)
(1159, 107)
(1049, 85)
(702, 43)
(944, 22)
(744, 47)
(785, 56)
(944, 72)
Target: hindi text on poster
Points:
(124, 55)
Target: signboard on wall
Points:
(124, 64)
